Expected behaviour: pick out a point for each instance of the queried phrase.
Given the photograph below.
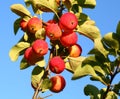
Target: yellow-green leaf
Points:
(89, 30)
(36, 76)
(15, 50)
(110, 39)
(20, 10)
(41, 62)
(87, 3)
(24, 64)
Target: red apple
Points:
(75, 50)
(68, 22)
(34, 24)
(69, 39)
(40, 47)
(57, 64)
(23, 25)
(31, 56)
(58, 83)
(51, 21)
(53, 31)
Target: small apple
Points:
(75, 50)
(34, 24)
(68, 22)
(31, 56)
(58, 83)
(69, 39)
(53, 31)
(40, 47)
(57, 64)
(23, 25)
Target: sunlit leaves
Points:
(99, 48)
(74, 63)
(20, 10)
(111, 40)
(111, 95)
(43, 5)
(84, 71)
(87, 3)
(17, 49)
(89, 30)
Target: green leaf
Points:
(87, 3)
(88, 30)
(83, 71)
(36, 76)
(75, 62)
(110, 39)
(118, 28)
(24, 64)
(40, 34)
(17, 25)
(111, 95)
(99, 70)
(116, 88)
(45, 6)
(99, 48)
(41, 62)
(15, 50)
(99, 78)
(92, 90)
(20, 10)
(46, 84)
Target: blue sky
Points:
(15, 83)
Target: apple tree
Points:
(63, 49)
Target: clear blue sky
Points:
(15, 84)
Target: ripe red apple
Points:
(68, 22)
(57, 64)
(75, 50)
(34, 24)
(69, 39)
(53, 31)
(23, 25)
(51, 21)
(40, 47)
(31, 56)
(58, 83)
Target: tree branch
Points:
(46, 73)
(112, 77)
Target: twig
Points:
(109, 86)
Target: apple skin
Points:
(75, 50)
(69, 39)
(51, 21)
(58, 83)
(57, 64)
(34, 24)
(53, 31)
(31, 56)
(68, 22)
(23, 25)
(40, 47)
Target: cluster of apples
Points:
(63, 31)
